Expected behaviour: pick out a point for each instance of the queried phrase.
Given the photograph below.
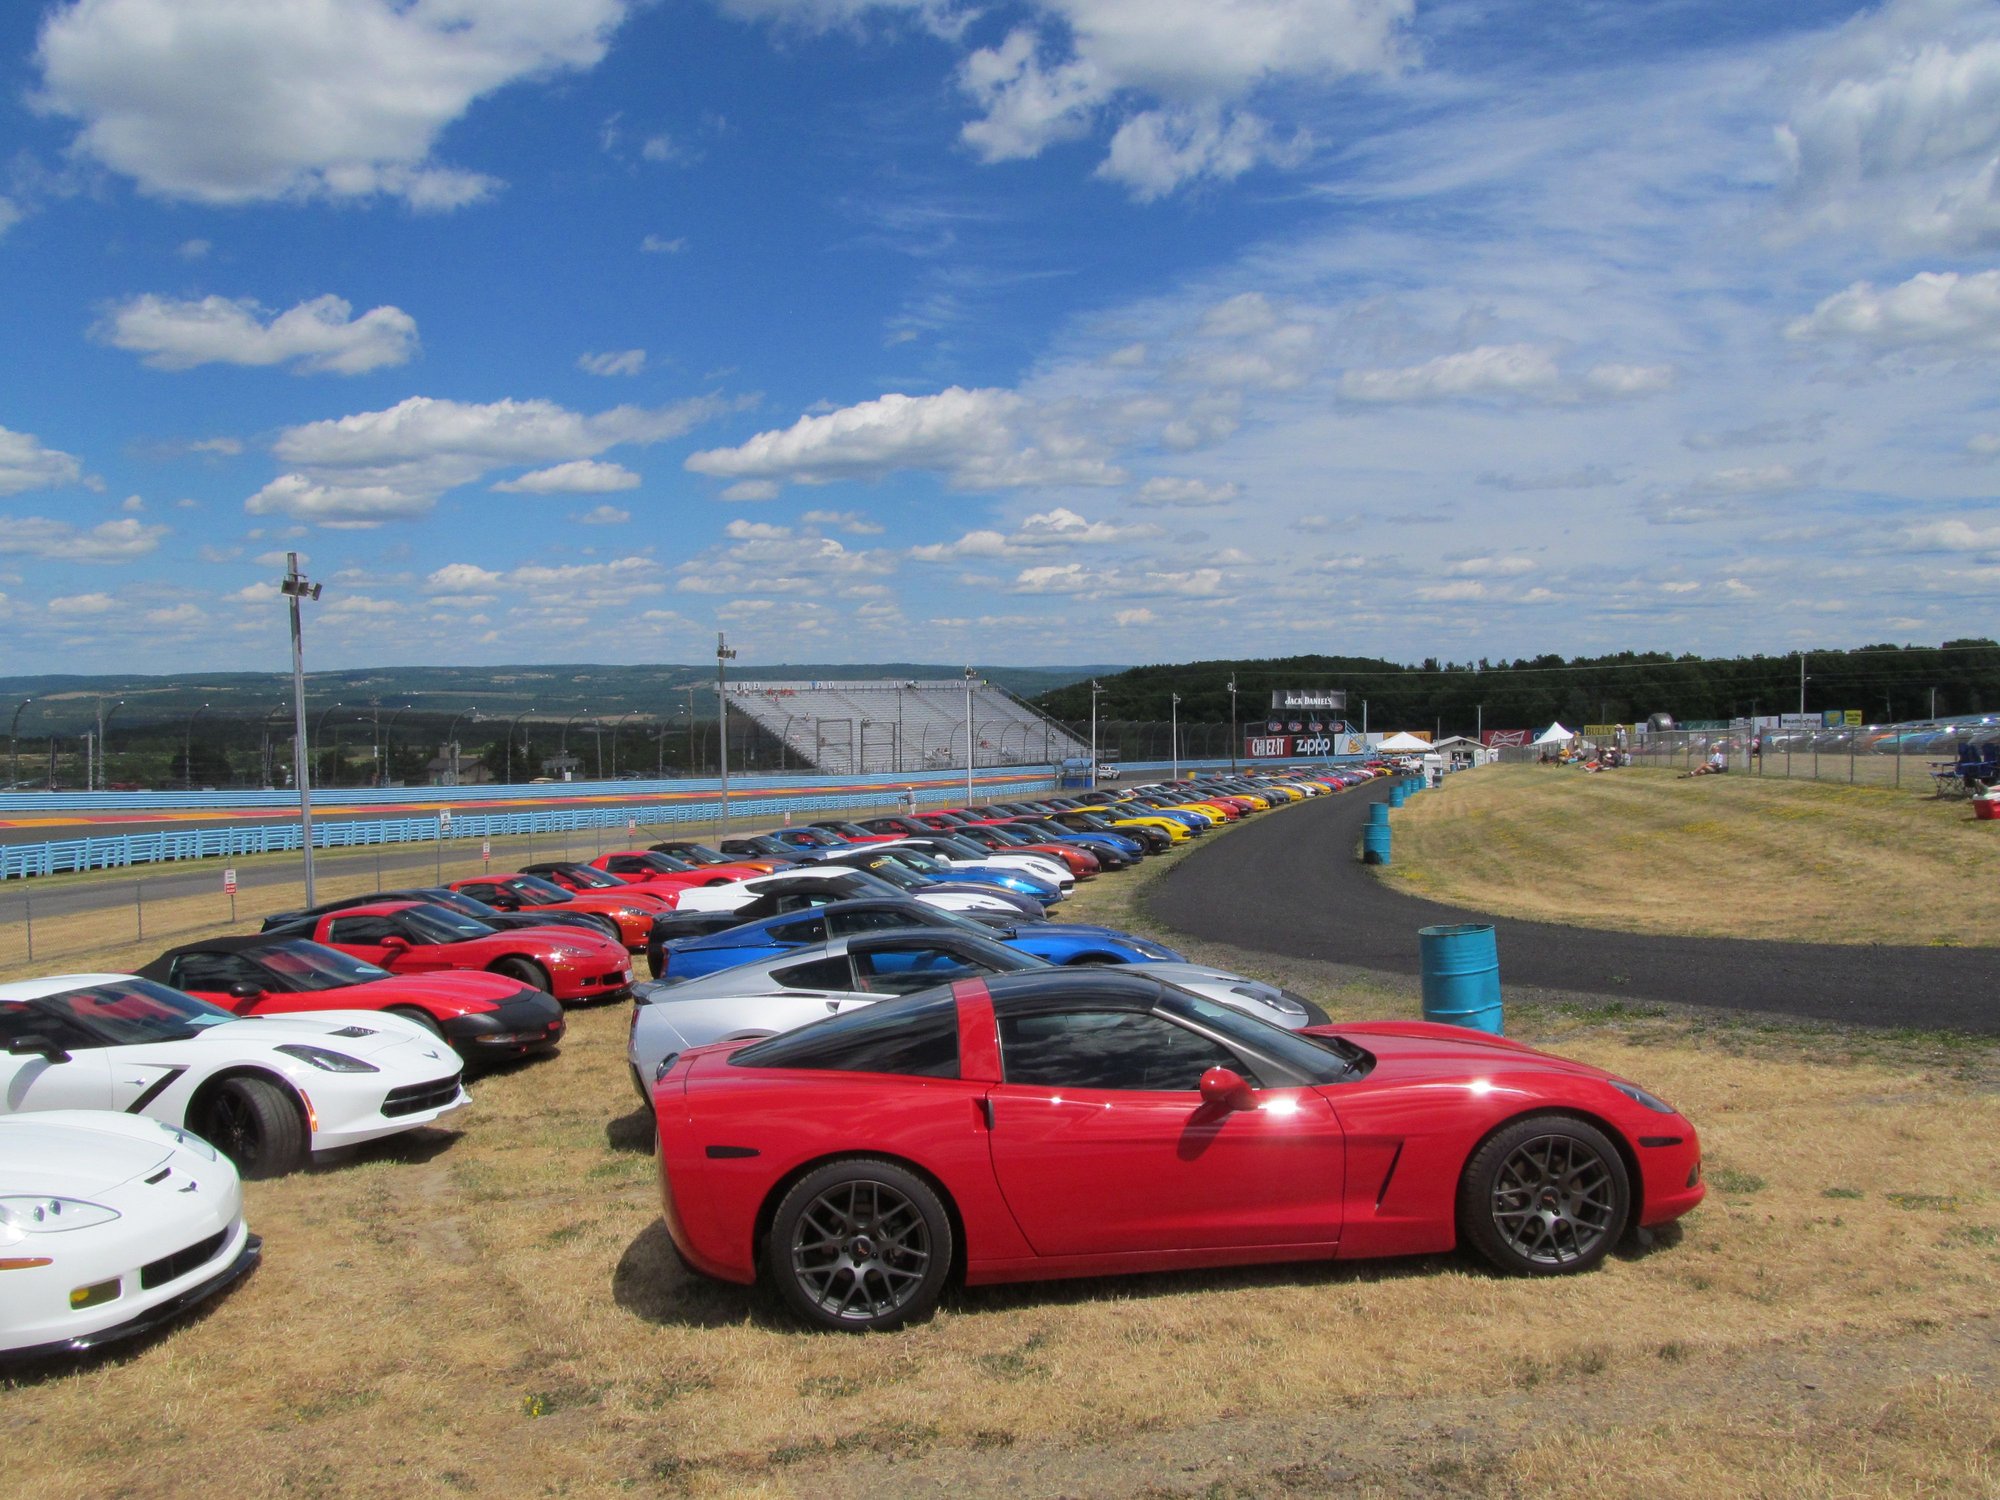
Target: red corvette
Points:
(483, 1016)
(648, 867)
(633, 910)
(1084, 1122)
(409, 937)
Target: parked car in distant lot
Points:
(110, 1226)
(630, 912)
(483, 1016)
(406, 937)
(451, 900)
(114, 1041)
(1082, 1122)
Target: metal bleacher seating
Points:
(865, 727)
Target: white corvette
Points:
(266, 1090)
(109, 1226)
(742, 892)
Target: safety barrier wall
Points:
(614, 804)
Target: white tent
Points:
(1403, 744)
(1555, 734)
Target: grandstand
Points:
(888, 726)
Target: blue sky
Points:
(1031, 332)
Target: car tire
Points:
(417, 1017)
(525, 971)
(860, 1245)
(255, 1123)
(1545, 1196)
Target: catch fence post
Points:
(28, 910)
(139, 904)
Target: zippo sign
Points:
(1281, 746)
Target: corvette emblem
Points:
(192, 1187)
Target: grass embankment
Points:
(1714, 856)
(496, 1310)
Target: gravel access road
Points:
(1294, 884)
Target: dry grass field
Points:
(495, 1310)
(1720, 856)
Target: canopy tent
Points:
(1555, 734)
(1403, 744)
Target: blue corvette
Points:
(1057, 943)
(866, 858)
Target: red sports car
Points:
(1084, 1122)
(484, 1016)
(633, 910)
(408, 937)
(648, 867)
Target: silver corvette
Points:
(776, 994)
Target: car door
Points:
(362, 937)
(218, 978)
(1103, 1145)
(34, 1080)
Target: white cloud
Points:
(106, 542)
(1187, 494)
(1489, 370)
(381, 465)
(981, 439)
(27, 465)
(1933, 309)
(1983, 444)
(619, 362)
(1952, 536)
(1628, 380)
(850, 521)
(1058, 528)
(194, 249)
(583, 476)
(752, 489)
(1451, 593)
(1158, 151)
(659, 244)
(603, 515)
(10, 215)
(743, 531)
(82, 605)
(1492, 567)
(236, 101)
(1127, 619)
(317, 337)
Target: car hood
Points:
(465, 987)
(321, 1028)
(1419, 1050)
(76, 1153)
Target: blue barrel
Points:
(1398, 795)
(1461, 971)
(1378, 813)
(1375, 844)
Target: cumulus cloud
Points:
(1188, 494)
(1489, 370)
(659, 244)
(107, 542)
(603, 515)
(850, 521)
(1589, 477)
(25, 464)
(619, 362)
(1058, 528)
(381, 465)
(1628, 380)
(582, 587)
(1933, 309)
(1952, 536)
(321, 336)
(237, 101)
(72, 605)
(753, 489)
(583, 476)
(980, 439)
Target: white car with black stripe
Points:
(110, 1225)
(268, 1091)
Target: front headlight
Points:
(37, 1215)
(563, 950)
(1638, 1095)
(326, 1059)
(633, 911)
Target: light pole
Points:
(723, 656)
(508, 770)
(187, 749)
(450, 746)
(14, 756)
(562, 746)
(1174, 729)
(968, 736)
(1234, 737)
(385, 743)
(103, 766)
(1095, 690)
(619, 724)
(319, 729)
(295, 587)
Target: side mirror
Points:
(243, 989)
(395, 943)
(1225, 1088)
(502, 901)
(35, 1044)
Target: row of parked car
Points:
(871, 945)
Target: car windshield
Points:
(436, 924)
(132, 1010)
(593, 880)
(998, 956)
(923, 864)
(888, 871)
(537, 891)
(665, 864)
(697, 854)
(1008, 836)
(959, 848)
(306, 967)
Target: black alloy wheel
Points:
(860, 1245)
(254, 1123)
(1545, 1196)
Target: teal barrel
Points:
(1398, 795)
(1378, 814)
(1461, 973)
(1375, 844)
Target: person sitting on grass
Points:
(1717, 763)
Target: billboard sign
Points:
(1282, 746)
(1296, 700)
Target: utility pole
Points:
(689, 690)
(1234, 736)
(968, 736)
(723, 656)
(295, 587)
(1095, 690)
(1802, 682)
(1174, 729)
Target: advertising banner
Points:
(1288, 701)
(1505, 739)
(1284, 746)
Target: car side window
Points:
(820, 974)
(359, 930)
(480, 892)
(847, 923)
(907, 968)
(624, 864)
(216, 972)
(1108, 1049)
(19, 1018)
(797, 934)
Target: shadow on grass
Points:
(650, 1282)
(636, 1132)
(411, 1148)
(22, 1373)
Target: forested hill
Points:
(1885, 683)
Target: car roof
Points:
(55, 984)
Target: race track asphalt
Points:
(1291, 882)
